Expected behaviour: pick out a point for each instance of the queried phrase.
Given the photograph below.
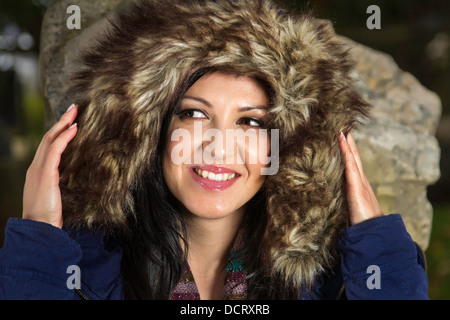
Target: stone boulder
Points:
(399, 151)
(60, 47)
(398, 147)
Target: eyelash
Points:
(259, 122)
(183, 115)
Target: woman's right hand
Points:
(41, 194)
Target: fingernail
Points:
(71, 107)
(73, 126)
(343, 136)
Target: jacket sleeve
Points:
(35, 260)
(379, 260)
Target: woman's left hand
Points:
(362, 202)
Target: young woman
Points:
(140, 187)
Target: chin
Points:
(210, 210)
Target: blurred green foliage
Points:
(438, 254)
(34, 113)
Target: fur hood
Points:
(128, 81)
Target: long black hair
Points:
(154, 252)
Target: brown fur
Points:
(131, 78)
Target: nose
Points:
(217, 145)
(221, 147)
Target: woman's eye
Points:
(250, 122)
(192, 113)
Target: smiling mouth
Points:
(214, 176)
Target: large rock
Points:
(398, 148)
(399, 151)
(60, 47)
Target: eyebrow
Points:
(206, 103)
(241, 109)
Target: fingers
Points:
(42, 196)
(362, 201)
(63, 131)
(59, 137)
(352, 168)
(65, 122)
(357, 157)
(355, 152)
(58, 146)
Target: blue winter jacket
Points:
(379, 260)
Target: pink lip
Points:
(215, 169)
(210, 184)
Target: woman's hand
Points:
(363, 204)
(41, 195)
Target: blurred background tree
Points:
(21, 101)
(415, 32)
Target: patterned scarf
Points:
(235, 286)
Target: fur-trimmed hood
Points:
(128, 82)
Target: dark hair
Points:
(153, 255)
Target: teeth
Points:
(212, 176)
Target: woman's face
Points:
(208, 163)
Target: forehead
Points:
(217, 88)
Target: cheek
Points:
(180, 145)
(167, 166)
(257, 152)
(171, 169)
(261, 152)
(175, 155)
